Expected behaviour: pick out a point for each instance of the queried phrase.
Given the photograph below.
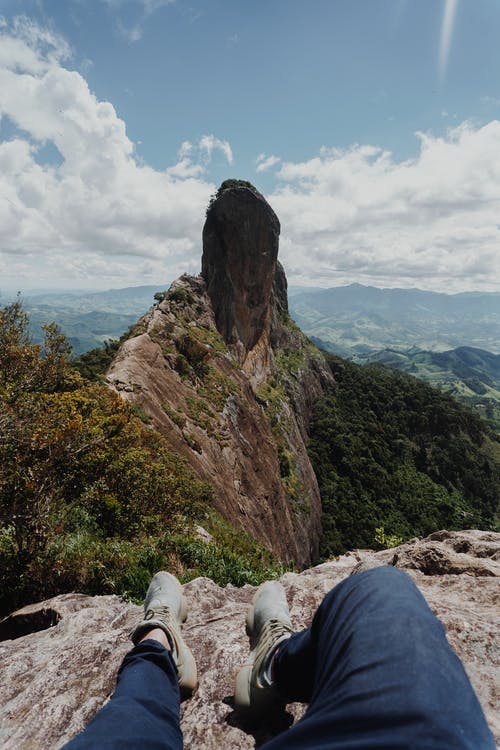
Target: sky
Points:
(372, 127)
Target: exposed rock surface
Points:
(240, 251)
(54, 680)
(221, 370)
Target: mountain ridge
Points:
(68, 306)
(367, 319)
(219, 368)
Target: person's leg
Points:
(144, 709)
(378, 672)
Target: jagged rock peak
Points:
(239, 262)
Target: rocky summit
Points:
(239, 263)
(220, 369)
(59, 658)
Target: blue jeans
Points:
(375, 668)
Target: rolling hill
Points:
(360, 319)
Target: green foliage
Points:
(140, 412)
(70, 449)
(386, 541)
(273, 397)
(177, 417)
(81, 559)
(180, 295)
(290, 360)
(191, 441)
(93, 364)
(392, 452)
(470, 375)
(201, 413)
(209, 337)
(216, 388)
(182, 366)
(232, 557)
(195, 356)
(90, 499)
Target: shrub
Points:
(74, 460)
(181, 295)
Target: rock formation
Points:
(240, 251)
(222, 371)
(59, 658)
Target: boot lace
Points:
(164, 614)
(273, 632)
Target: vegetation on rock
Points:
(229, 185)
(90, 498)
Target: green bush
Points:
(181, 295)
(74, 460)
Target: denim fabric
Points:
(143, 712)
(375, 668)
(378, 673)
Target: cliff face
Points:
(221, 370)
(55, 679)
(240, 252)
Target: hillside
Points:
(358, 319)
(470, 375)
(393, 454)
(91, 499)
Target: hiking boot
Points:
(165, 607)
(268, 625)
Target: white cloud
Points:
(266, 162)
(490, 100)
(151, 6)
(130, 33)
(209, 143)
(100, 208)
(148, 6)
(194, 158)
(143, 10)
(359, 215)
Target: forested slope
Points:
(390, 451)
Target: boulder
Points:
(59, 658)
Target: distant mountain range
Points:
(88, 319)
(450, 341)
(349, 321)
(364, 319)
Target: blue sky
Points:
(372, 127)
